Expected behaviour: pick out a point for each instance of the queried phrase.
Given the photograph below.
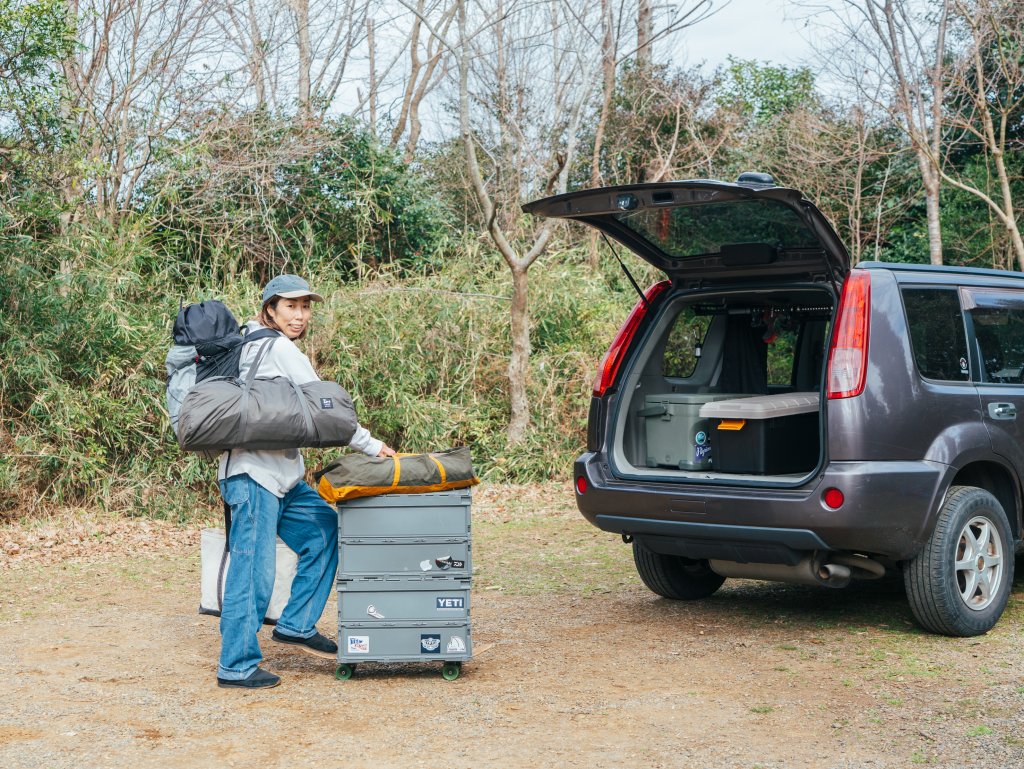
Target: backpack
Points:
(208, 343)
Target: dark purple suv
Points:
(767, 412)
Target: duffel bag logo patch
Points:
(327, 403)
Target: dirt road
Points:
(106, 664)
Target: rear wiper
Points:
(633, 282)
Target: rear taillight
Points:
(609, 368)
(848, 354)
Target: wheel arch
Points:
(1000, 482)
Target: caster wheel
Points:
(344, 672)
(451, 670)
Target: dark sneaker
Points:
(316, 644)
(257, 679)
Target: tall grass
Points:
(85, 324)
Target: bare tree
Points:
(426, 69)
(613, 55)
(297, 53)
(525, 127)
(901, 44)
(135, 77)
(252, 29)
(989, 84)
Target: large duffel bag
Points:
(357, 475)
(226, 413)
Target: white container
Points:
(214, 572)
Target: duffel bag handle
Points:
(244, 426)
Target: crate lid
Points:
(762, 406)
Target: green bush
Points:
(86, 322)
(265, 193)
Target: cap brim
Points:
(299, 294)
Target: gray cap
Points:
(288, 287)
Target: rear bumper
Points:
(889, 511)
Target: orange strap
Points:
(440, 467)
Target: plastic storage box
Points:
(404, 576)
(677, 435)
(766, 434)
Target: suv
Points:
(767, 412)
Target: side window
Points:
(999, 335)
(684, 339)
(781, 350)
(937, 333)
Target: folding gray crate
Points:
(440, 514)
(366, 557)
(368, 600)
(449, 642)
(404, 575)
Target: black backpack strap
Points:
(262, 333)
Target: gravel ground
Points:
(108, 665)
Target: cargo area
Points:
(725, 385)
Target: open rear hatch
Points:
(711, 232)
(726, 376)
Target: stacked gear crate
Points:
(404, 578)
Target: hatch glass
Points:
(695, 230)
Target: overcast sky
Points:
(763, 30)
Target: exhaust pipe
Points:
(812, 570)
(834, 575)
(861, 567)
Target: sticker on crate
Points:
(447, 562)
(430, 643)
(451, 603)
(359, 644)
(373, 612)
(456, 645)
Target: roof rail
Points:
(939, 268)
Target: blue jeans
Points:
(309, 526)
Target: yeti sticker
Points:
(453, 603)
(430, 643)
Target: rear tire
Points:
(959, 584)
(673, 576)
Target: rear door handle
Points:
(1002, 410)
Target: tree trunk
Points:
(257, 57)
(644, 33)
(372, 94)
(301, 10)
(608, 90)
(519, 362)
(931, 182)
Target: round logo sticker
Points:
(701, 438)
